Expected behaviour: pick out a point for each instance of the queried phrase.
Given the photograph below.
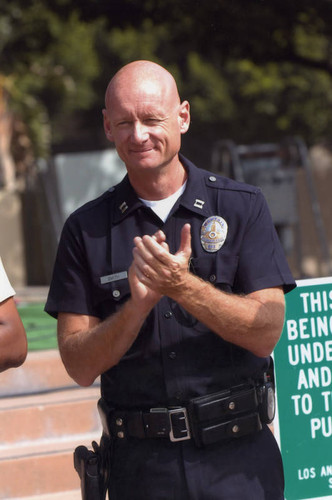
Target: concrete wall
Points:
(314, 261)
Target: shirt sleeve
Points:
(262, 262)
(6, 290)
(70, 289)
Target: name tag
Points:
(113, 277)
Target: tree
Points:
(253, 70)
(48, 63)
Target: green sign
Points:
(303, 366)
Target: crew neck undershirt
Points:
(163, 207)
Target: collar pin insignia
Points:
(199, 203)
(123, 207)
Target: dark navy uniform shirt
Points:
(175, 357)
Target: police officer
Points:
(171, 287)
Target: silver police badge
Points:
(213, 233)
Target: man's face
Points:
(145, 121)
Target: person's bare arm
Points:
(13, 340)
(253, 321)
(89, 347)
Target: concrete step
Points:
(38, 435)
(44, 469)
(48, 416)
(62, 495)
(44, 415)
(42, 370)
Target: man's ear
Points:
(107, 126)
(184, 116)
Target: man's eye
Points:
(152, 121)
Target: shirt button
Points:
(116, 294)
(212, 178)
(172, 355)
(213, 278)
(178, 395)
(168, 314)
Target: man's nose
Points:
(140, 132)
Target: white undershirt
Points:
(163, 207)
(6, 290)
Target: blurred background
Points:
(257, 73)
(258, 76)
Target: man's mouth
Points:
(144, 150)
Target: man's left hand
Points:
(156, 267)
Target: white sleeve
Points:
(6, 290)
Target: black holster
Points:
(86, 465)
(93, 468)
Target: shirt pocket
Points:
(219, 269)
(114, 292)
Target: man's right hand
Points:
(141, 294)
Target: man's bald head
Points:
(142, 73)
(145, 119)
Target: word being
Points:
(306, 328)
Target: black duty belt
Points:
(227, 414)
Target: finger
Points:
(165, 246)
(143, 270)
(142, 249)
(135, 276)
(159, 236)
(153, 251)
(185, 244)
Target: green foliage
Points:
(49, 64)
(253, 70)
(208, 91)
(131, 43)
(295, 100)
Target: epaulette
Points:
(216, 181)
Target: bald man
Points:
(170, 286)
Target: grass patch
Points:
(39, 326)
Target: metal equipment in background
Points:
(61, 185)
(272, 167)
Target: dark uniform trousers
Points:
(248, 468)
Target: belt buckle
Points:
(182, 419)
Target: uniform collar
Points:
(194, 197)
(126, 200)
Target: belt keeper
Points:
(156, 427)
